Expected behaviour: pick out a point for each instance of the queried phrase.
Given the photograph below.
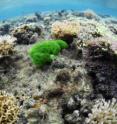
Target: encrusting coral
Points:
(103, 112)
(65, 30)
(7, 45)
(9, 109)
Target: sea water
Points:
(13, 8)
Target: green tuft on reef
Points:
(46, 51)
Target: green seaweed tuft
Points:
(46, 51)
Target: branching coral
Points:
(44, 52)
(6, 45)
(9, 109)
(65, 29)
(103, 112)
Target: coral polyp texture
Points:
(44, 52)
(9, 109)
(103, 112)
(7, 45)
(65, 29)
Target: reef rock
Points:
(27, 33)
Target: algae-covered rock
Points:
(27, 33)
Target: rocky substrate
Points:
(65, 91)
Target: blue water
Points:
(13, 8)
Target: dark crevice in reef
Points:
(103, 72)
(8, 70)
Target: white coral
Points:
(7, 38)
(103, 112)
(6, 45)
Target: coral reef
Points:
(7, 45)
(99, 47)
(66, 91)
(73, 79)
(63, 76)
(101, 66)
(9, 109)
(103, 112)
(102, 47)
(75, 108)
(27, 33)
(84, 109)
(65, 30)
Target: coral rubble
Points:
(79, 83)
(103, 112)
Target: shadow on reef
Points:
(103, 71)
(7, 71)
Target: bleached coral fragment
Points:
(7, 43)
(103, 112)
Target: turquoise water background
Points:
(13, 8)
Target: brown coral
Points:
(9, 110)
(65, 30)
(27, 33)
